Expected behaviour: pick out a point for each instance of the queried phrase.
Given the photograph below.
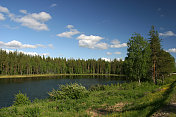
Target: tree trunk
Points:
(154, 74)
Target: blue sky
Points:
(84, 28)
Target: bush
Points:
(72, 91)
(32, 112)
(97, 88)
(21, 99)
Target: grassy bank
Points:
(126, 100)
(50, 75)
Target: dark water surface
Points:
(38, 87)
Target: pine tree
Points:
(155, 48)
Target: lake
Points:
(38, 87)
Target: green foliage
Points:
(72, 91)
(166, 64)
(137, 62)
(127, 99)
(32, 112)
(155, 46)
(21, 99)
(17, 63)
(97, 87)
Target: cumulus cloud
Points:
(4, 9)
(18, 45)
(106, 59)
(102, 46)
(70, 33)
(69, 26)
(173, 50)
(23, 11)
(167, 34)
(117, 52)
(34, 21)
(117, 44)
(91, 42)
(108, 53)
(2, 16)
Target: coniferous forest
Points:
(17, 63)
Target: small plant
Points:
(72, 91)
(21, 99)
(97, 88)
(32, 112)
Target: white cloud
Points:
(42, 16)
(68, 34)
(117, 52)
(18, 45)
(44, 54)
(34, 21)
(69, 26)
(53, 5)
(108, 53)
(4, 9)
(23, 11)
(91, 42)
(2, 16)
(106, 59)
(28, 53)
(173, 50)
(50, 45)
(167, 34)
(117, 44)
(10, 27)
(102, 46)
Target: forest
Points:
(17, 63)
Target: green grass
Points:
(126, 100)
(48, 75)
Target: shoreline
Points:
(51, 75)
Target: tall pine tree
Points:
(155, 48)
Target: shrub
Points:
(72, 91)
(97, 87)
(21, 99)
(32, 112)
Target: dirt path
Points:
(167, 111)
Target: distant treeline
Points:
(18, 63)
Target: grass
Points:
(48, 75)
(126, 100)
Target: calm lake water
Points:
(38, 87)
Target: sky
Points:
(85, 29)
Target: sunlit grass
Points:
(47, 75)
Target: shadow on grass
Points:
(170, 108)
(156, 104)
